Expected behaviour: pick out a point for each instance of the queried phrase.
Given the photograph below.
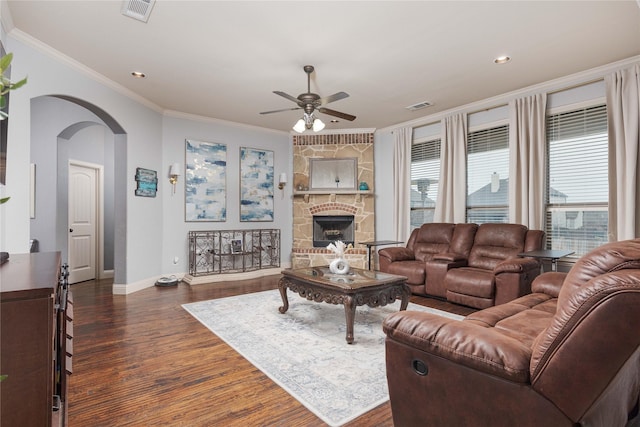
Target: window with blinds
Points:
(577, 181)
(488, 175)
(425, 172)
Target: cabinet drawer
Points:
(68, 364)
(69, 346)
(69, 328)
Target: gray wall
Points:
(175, 229)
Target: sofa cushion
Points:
(470, 281)
(522, 319)
(432, 239)
(412, 270)
(495, 243)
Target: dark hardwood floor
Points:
(142, 360)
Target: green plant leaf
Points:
(5, 61)
(3, 377)
(6, 85)
(4, 200)
(19, 84)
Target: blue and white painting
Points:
(205, 181)
(256, 185)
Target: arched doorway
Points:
(65, 130)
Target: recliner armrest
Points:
(397, 254)
(450, 257)
(516, 265)
(468, 344)
(549, 283)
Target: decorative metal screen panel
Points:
(233, 251)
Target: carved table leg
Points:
(350, 314)
(282, 287)
(406, 294)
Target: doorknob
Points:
(71, 230)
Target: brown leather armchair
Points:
(567, 354)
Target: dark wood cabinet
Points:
(35, 332)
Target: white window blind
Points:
(425, 172)
(488, 175)
(577, 180)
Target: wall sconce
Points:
(283, 180)
(174, 173)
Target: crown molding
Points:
(89, 72)
(197, 118)
(556, 85)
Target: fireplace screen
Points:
(328, 229)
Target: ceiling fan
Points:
(309, 102)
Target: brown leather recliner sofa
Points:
(467, 264)
(567, 354)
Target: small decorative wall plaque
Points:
(147, 182)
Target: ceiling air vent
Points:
(419, 106)
(138, 9)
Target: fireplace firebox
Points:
(329, 228)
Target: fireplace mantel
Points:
(331, 193)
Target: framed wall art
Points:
(256, 184)
(328, 174)
(146, 182)
(205, 181)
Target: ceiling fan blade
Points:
(332, 98)
(281, 110)
(337, 114)
(286, 95)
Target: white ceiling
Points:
(224, 59)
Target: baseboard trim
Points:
(107, 274)
(213, 278)
(126, 289)
(120, 289)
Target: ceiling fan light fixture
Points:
(318, 125)
(300, 126)
(310, 102)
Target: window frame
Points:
(479, 128)
(551, 208)
(423, 209)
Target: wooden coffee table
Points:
(358, 287)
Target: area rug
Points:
(305, 351)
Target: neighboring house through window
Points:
(488, 175)
(577, 180)
(425, 171)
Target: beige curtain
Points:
(527, 161)
(452, 187)
(623, 114)
(402, 183)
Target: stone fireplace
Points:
(332, 207)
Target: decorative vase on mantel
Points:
(340, 264)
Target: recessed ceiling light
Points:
(502, 59)
(138, 74)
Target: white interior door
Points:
(82, 223)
